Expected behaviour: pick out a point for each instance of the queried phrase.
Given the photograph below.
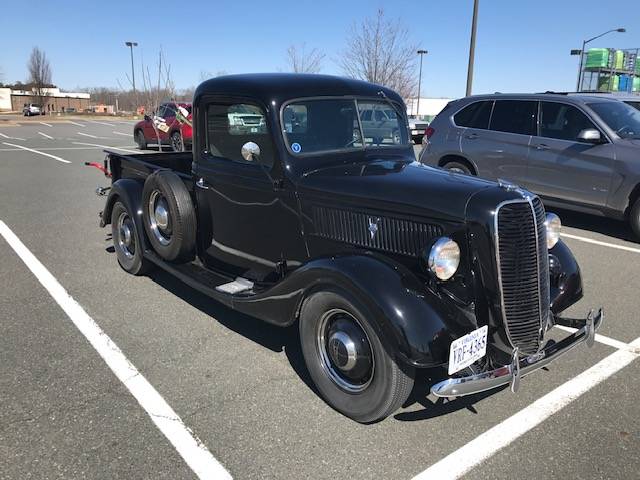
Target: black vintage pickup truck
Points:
(293, 208)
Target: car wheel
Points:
(458, 167)
(169, 216)
(354, 372)
(140, 140)
(634, 218)
(126, 241)
(177, 144)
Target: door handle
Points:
(200, 183)
(472, 136)
(542, 146)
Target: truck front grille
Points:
(523, 271)
(393, 235)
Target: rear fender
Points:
(129, 192)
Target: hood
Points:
(395, 185)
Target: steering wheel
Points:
(356, 138)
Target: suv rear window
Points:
(514, 116)
(475, 115)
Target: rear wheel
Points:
(458, 167)
(177, 145)
(354, 372)
(126, 241)
(140, 140)
(634, 218)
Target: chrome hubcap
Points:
(159, 218)
(125, 240)
(345, 351)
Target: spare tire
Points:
(169, 216)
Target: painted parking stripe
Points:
(603, 244)
(37, 151)
(78, 124)
(120, 133)
(4, 136)
(612, 342)
(107, 146)
(43, 123)
(11, 138)
(103, 123)
(481, 448)
(87, 135)
(53, 149)
(190, 448)
(45, 135)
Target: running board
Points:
(238, 285)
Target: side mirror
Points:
(147, 118)
(250, 151)
(590, 135)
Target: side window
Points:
(475, 115)
(562, 121)
(380, 117)
(230, 126)
(514, 116)
(169, 110)
(365, 116)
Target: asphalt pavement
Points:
(240, 385)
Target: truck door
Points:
(248, 217)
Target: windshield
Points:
(620, 117)
(331, 125)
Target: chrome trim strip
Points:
(458, 387)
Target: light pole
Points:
(472, 46)
(421, 53)
(133, 71)
(584, 43)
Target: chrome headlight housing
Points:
(444, 258)
(554, 227)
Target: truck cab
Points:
(294, 208)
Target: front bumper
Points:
(511, 374)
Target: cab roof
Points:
(281, 87)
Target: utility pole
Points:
(472, 46)
(133, 71)
(421, 53)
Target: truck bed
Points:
(141, 165)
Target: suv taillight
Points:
(429, 132)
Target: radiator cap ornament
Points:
(373, 226)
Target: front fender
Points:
(412, 321)
(566, 280)
(129, 192)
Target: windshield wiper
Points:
(391, 104)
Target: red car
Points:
(170, 126)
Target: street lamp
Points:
(472, 46)
(421, 53)
(584, 43)
(133, 71)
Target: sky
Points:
(522, 46)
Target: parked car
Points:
(30, 109)
(385, 265)
(165, 128)
(380, 123)
(417, 127)
(578, 152)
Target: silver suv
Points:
(577, 152)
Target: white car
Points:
(31, 109)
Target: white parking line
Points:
(190, 448)
(107, 146)
(76, 123)
(53, 149)
(37, 151)
(612, 342)
(4, 136)
(43, 123)
(45, 135)
(125, 134)
(86, 135)
(481, 448)
(103, 123)
(603, 244)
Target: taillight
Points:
(428, 132)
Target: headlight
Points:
(444, 258)
(554, 226)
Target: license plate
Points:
(415, 132)
(468, 349)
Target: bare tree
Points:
(301, 61)
(39, 74)
(379, 51)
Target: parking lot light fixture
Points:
(421, 53)
(584, 43)
(133, 71)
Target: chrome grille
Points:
(523, 272)
(392, 235)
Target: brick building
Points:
(54, 101)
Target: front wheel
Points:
(458, 167)
(634, 218)
(177, 145)
(354, 371)
(140, 140)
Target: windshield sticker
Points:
(296, 148)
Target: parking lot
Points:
(238, 385)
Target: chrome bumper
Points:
(511, 374)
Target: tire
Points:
(379, 390)
(458, 167)
(140, 140)
(126, 241)
(177, 145)
(634, 218)
(169, 216)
